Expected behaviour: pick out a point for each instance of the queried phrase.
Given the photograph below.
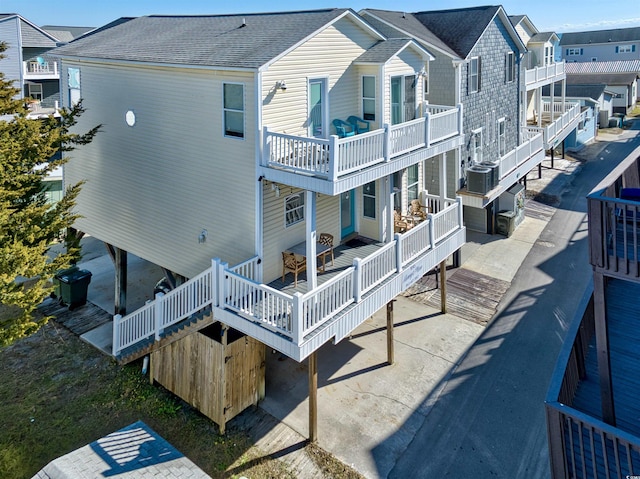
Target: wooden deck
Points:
(624, 342)
(344, 256)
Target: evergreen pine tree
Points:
(29, 224)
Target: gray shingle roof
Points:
(232, 41)
(577, 90)
(33, 37)
(601, 36)
(542, 37)
(515, 19)
(407, 23)
(603, 78)
(619, 66)
(459, 28)
(384, 50)
(64, 33)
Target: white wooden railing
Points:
(551, 72)
(335, 157)
(36, 68)
(296, 315)
(520, 154)
(565, 115)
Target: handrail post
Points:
(334, 158)
(427, 129)
(357, 279)
(221, 283)
(214, 282)
(387, 143)
(266, 151)
(115, 343)
(297, 313)
(398, 239)
(158, 316)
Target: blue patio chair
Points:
(343, 128)
(359, 125)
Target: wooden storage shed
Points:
(217, 370)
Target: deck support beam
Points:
(313, 397)
(310, 226)
(443, 287)
(390, 351)
(602, 348)
(120, 260)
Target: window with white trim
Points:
(573, 51)
(233, 106)
(73, 84)
(476, 145)
(293, 209)
(369, 200)
(474, 75)
(412, 183)
(35, 91)
(548, 55)
(510, 66)
(625, 48)
(369, 97)
(502, 137)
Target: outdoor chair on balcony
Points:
(294, 265)
(343, 129)
(417, 211)
(327, 240)
(401, 224)
(359, 125)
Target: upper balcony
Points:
(539, 76)
(298, 319)
(508, 169)
(557, 122)
(614, 222)
(332, 166)
(45, 70)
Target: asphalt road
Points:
(489, 421)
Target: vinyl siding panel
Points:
(152, 188)
(11, 64)
(327, 55)
(277, 237)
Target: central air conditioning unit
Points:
(495, 172)
(478, 179)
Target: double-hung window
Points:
(293, 209)
(35, 91)
(369, 200)
(573, 51)
(369, 98)
(474, 75)
(502, 148)
(548, 55)
(625, 48)
(510, 66)
(233, 105)
(73, 83)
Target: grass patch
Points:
(59, 394)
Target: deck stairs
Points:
(188, 326)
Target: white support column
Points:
(539, 105)
(310, 222)
(552, 87)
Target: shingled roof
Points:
(231, 41)
(603, 78)
(601, 36)
(389, 23)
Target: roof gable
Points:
(601, 36)
(247, 41)
(385, 50)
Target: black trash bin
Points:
(72, 285)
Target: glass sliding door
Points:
(403, 99)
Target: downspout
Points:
(20, 57)
(259, 242)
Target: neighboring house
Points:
(478, 63)
(623, 85)
(220, 142)
(601, 45)
(592, 405)
(35, 73)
